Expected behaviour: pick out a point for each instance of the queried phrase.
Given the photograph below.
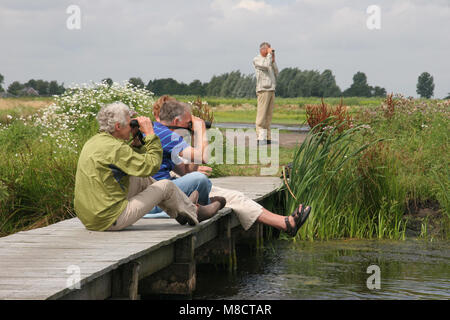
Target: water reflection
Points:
(333, 270)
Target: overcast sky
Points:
(197, 39)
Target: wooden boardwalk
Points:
(66, 261)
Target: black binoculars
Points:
(135, 124)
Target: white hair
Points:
(264, 45)
(111, 114)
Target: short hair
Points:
(172, 109)
(111, 114)
(264, 45)
(158, 104)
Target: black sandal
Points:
(299, 220)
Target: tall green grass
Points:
(349, 197)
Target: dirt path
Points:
(290, 140)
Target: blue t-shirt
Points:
(172, 144)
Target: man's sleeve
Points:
(262, 63)
(140, 164)
(174, 147)
(275, 69)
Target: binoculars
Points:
(135, 124)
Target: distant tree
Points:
(55, 89)
(42, 87)
(229, 84)
(378, 91)
(166, 86)
(32, 84)
(108, 81)
(137, 82)
(245, 87)
(284, 78)
(425, 85)
(215, 85)
(15, 87)
(327, 85)
(1, 82)
(447, 97)
(196, 88)
(359, 87)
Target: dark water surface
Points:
(411, 269)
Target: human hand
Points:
(145, 125)
(198, 124)
(205, 170)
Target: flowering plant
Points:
(73, 112)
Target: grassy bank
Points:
(369, 179)
(401, 168)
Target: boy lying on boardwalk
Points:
(113, 183)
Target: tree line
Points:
(291, 82)
(39, 87)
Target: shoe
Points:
(299, 220)
(222, 201)
(210, 210)
(264, 142)
(184, 219)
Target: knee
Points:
(201, 179)
(165, 184)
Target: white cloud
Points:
(254, 6)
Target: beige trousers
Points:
(264, 111)
(246, 209)
(146, 193)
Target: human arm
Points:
(197, 154)
(183, 169)
(143, 163)
(262, 63)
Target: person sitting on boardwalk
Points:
(172, 143)
(113, 184)
(174, 114)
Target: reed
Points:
(346, 200)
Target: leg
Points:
(248, 211)
(290, 224)
(188, 184)
(163, 193)
(261, 115)
(270, 106)
(274, 220)
(195, 181)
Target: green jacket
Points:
(102, 178)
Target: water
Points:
(233, 125)
(409, 269)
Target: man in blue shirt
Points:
(192, 176)
(176, 115)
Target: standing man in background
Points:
(266, 74)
